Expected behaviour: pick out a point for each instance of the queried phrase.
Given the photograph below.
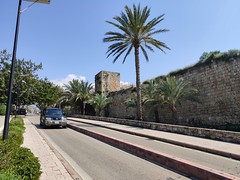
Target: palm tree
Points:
(99, 102)
(136, 33)
(76, 91)
(152, 97)
(71, 92)
(175, 91)
(85, 93)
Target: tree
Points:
(4, 74)
(77, 91)
(24, 83)
(24, 77)
(135, 33)
(85, 94)
(46, 93)
(71, 93)
(99, 102)
(152, 97)
(175, 91)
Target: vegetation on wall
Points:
(209, 57)
(170, 92)
(99, 102)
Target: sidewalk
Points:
(51, 166)
(1, 123)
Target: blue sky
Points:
(66, 36)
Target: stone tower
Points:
(106, 82)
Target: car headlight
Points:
(48, 118)
(64, 118)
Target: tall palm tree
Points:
(175, 91)
(135, 33)
(99, 102)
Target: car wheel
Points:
(64, 127)
(44, 126)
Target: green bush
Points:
(2, 109)
(25, 164)
(17, 162)
(9, 176)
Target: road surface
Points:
(96, 160)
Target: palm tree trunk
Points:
(174, 114)
(138, 85)
(84, 107)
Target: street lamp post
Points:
(8, 110)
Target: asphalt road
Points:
(220, 163)
(96, 160)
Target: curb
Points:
(204, 149)
(181, 165)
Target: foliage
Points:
(175, 91)
(4, 74)
(47, 93)
(27, 87)
(2, 109)
(153, 99)
(209, 57)
(99, 102)
(25, 164)
(8, 176)
(135, 33)
(17, 162)
(130, 102)
(85, 94)
(167, 91)
(76, 92)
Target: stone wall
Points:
(218, 81)
(117, 108)
(219, 85)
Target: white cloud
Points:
(125, 85)
(70, 77)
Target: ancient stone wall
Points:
(218, 82)
(219, 85)
(118, 108)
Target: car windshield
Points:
(53, 112)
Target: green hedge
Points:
(2, 109)
(17, 162)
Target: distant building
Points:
(106, 82)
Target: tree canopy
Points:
(27, 86)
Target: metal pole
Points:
(9, 100)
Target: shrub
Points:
(17, 162)
(25, 164)
(8, 176)
(2, 109)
